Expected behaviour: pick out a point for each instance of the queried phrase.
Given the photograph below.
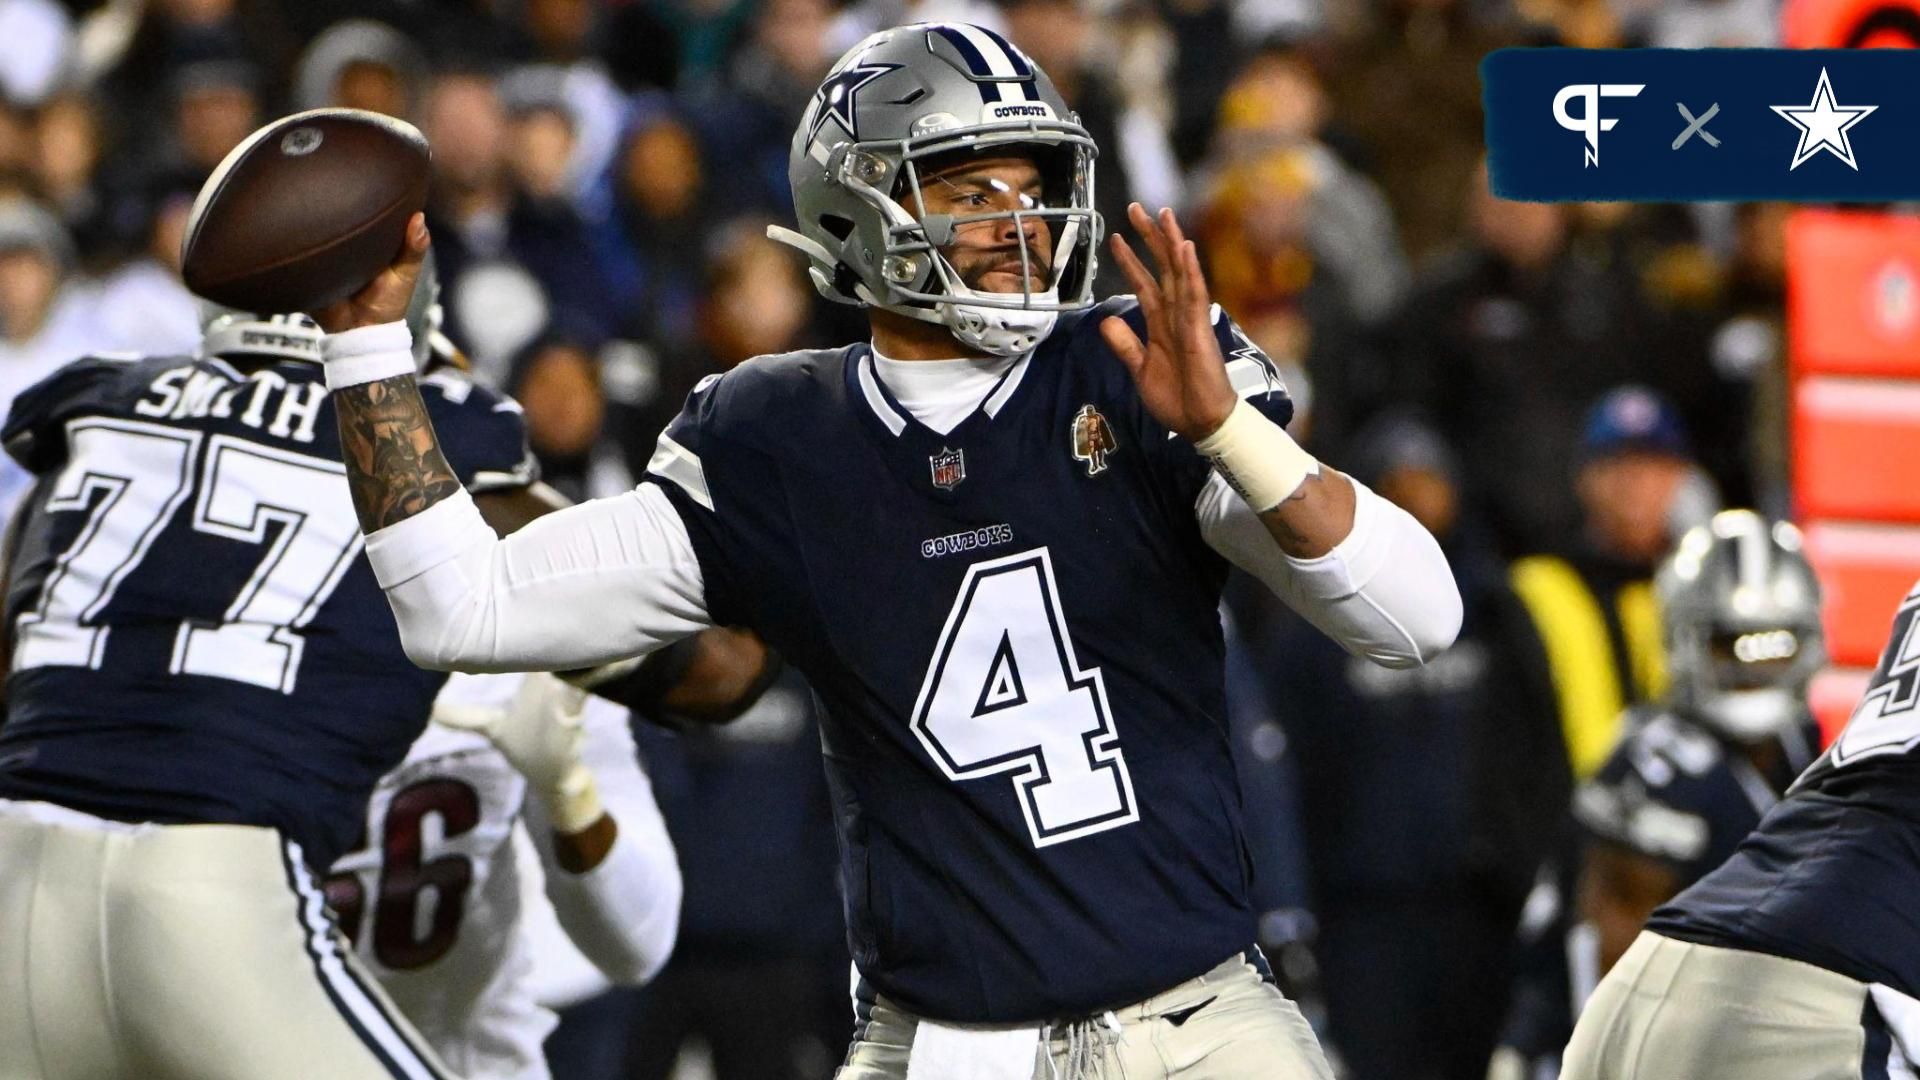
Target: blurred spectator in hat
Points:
(361, 64)
(1423, 792)
(216, 106)
(1639, 489)
(36, 38)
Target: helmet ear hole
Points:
(838, 227)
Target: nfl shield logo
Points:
(949, 468)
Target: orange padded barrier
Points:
(1857, 449)
(1864, 571)
(1853, 295)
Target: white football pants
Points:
(179, 952)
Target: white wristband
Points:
(1257, 458)
(367, 354)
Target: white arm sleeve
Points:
(624, 914)
(1385, 592)
(604, 580)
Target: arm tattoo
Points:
(394, 464)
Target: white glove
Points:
(540, 734)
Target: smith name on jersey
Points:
(1014, 630)
(197, 638)
(1830, 876)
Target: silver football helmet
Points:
(1741, 607)
(912, 93)
(229, 334)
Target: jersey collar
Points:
(895, 417)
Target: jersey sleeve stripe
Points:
(362, 1010)
(1250, 377)
(674, 462)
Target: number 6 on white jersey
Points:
(1004, 694)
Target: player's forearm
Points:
(1384, 591)
(1307, 509)
(394, 465)
(1314, 519)
(624, 910)
(709, 678)
(581, 851)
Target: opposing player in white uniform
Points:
(435, 899)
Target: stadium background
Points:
(1553, 390)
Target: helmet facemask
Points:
(1750, 683)
(918, 277)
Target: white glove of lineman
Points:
(540, 734)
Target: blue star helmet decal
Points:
(836, 95)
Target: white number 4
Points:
(1004, 694)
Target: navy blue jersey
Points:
(1830, 876)
(1673, 793)
(1014, 631)
(196, 636)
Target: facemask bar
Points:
(907, 239)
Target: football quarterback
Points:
(993, 538)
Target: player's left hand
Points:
(540, 734)
(1179, 370)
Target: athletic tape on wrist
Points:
(367, 354)
(576, 804)
(1257, 458)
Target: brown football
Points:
(305, 211)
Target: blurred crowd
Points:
(1554, 390)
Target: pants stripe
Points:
(362, 1010)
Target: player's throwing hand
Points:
(385, 298)
(1179, 369)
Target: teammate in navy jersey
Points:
(993, 539)
(204, 687)
(1692, 776)
(1799, 956)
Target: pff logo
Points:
(1589, 122)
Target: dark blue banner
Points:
(1677, 125)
